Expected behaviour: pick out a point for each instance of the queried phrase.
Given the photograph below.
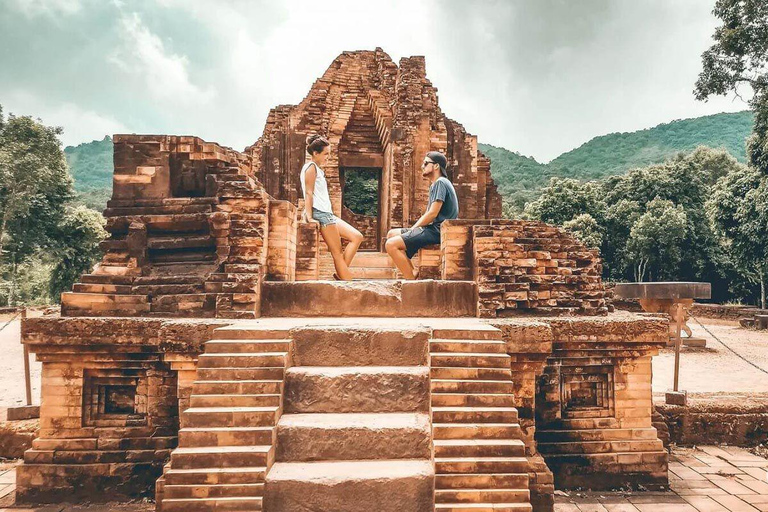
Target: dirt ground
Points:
(715, 369)
(12, 391)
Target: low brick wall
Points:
(731, 420)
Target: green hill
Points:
(519, 178)
(91, 167)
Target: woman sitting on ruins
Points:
(317, 208)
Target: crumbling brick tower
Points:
(382, 117)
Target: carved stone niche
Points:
(114, 398)
(586, 392)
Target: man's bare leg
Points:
(395, 247)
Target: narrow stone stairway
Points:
(226, 441)
(355, 436)
(480, 461)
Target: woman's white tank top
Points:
(321, 200)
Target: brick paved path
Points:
(705, 479)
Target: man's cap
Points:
(440, 160)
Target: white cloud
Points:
(164, 74)
(80, 125)
(53, 8)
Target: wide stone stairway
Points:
(355, 435)
(350, 415)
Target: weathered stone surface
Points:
(372, 298)
(384, 486)
(356, 389)
(353, 436)
(359, 346)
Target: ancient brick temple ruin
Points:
(208, 359)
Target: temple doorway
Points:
(361, 203)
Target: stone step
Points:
(471, 386)
(246, 346)
(473, 400)
(234, 332)
(483, 507)
(494, 496)
(172, 492)
(608, 434)
(482, 481)
(226, 436)
(235, 400)
(310, 389)
(471, 360)
(583, 447)
(449, 465)
(236, 504)
(222, 457)
(180, 241)
(357, 345)
(230, 416)
(476, 346)
(214, 476)
(443, 373)
(347, 436)
(373, 273)
(371, 259)
(480, 332)
(474, 414)
(247, 360)
(235, 387)
(380, 298)
(477, 431)
(351, 486)
(240, 373)
(447, 448)
(122, 289)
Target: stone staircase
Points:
(227, 436)
(480, 458)
(350, 416)
(356, 433)
(373, 265)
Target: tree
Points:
(655, 240)
(586, 229)
(565, 198)
(77, 247)
(739, 59)
(737, 206)
(34, 188)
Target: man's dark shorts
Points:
(420, 237)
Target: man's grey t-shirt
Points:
(442, 190)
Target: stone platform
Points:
(247, 406)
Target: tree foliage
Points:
(652, 223)
(42, 232)
(361, 191)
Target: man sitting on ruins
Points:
(402, 244)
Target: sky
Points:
(539, 77)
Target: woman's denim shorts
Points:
(324, 218)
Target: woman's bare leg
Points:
(333, 241)
(355, 238)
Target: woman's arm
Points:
(310, 175)
(430, 215)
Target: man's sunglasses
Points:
(426, 162)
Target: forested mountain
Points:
(90, 164)
(521, 178)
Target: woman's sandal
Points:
(336, 277)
